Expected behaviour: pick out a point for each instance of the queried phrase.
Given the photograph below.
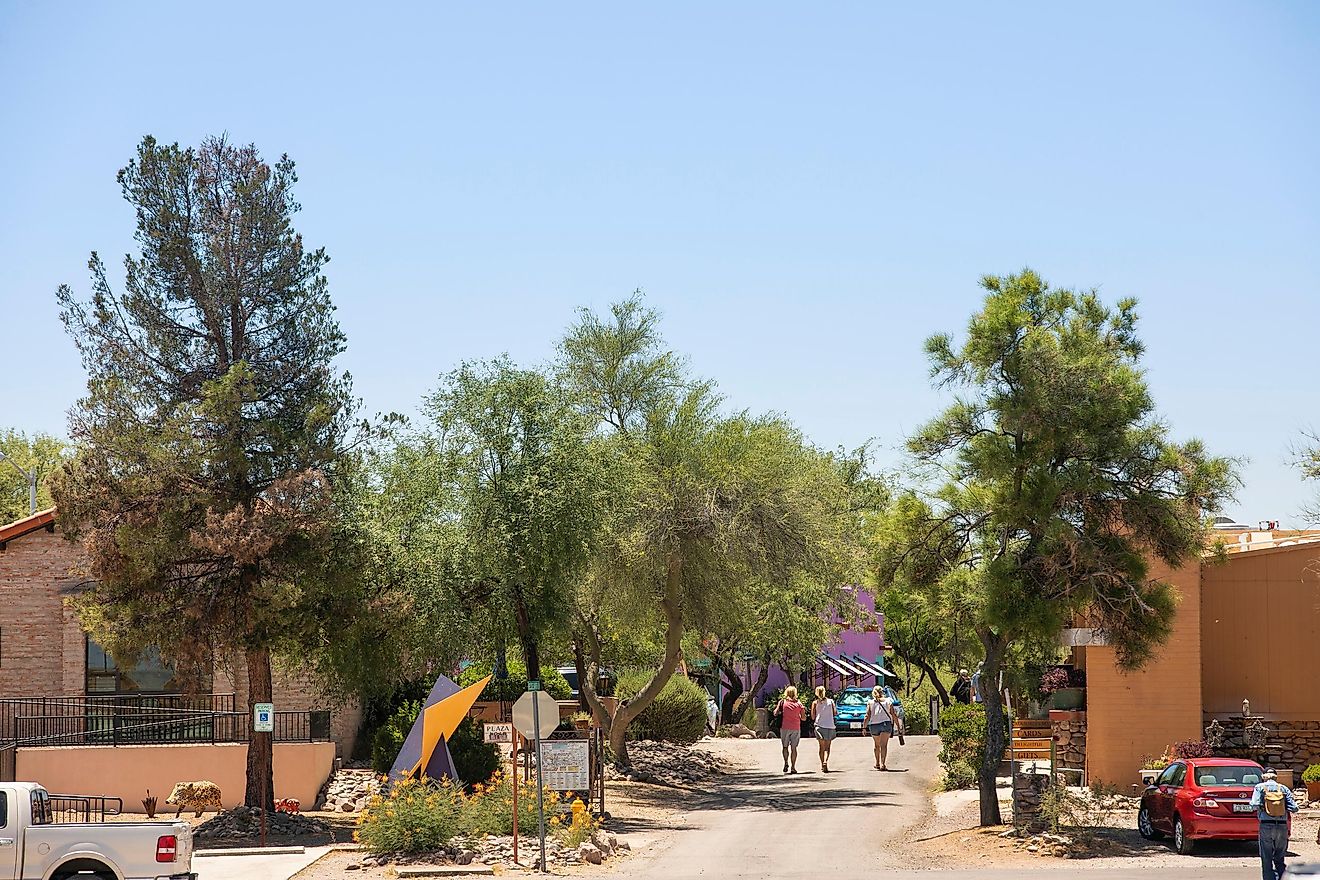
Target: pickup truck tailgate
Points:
(129, 847)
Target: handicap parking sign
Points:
(263, 718)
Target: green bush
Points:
(415, 817)
(475, 760)
(389, 737)
(515, 685)
(1311, 773)
(916, 718)
(489, 809)
(962, 740)
(678, 713)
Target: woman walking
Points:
(882, 721)
(822, 714)
(790, 729)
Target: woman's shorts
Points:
(790, 738)
(826, 733)
(882, 727)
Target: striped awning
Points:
(836, 665)
(875, 668)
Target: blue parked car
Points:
(850, 708)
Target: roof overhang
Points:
(44, 519)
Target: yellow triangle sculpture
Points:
(442, 719)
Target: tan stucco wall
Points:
(1134, 714)
(1260, 624)
(128, 771)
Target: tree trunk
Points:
(580, 664)
(260, 753)
(616, 723)
(925, 666)
(527, 637)
(996, 740)
(762, 676)
(732, 698)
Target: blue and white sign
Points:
(263, 718)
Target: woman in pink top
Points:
(790, 729)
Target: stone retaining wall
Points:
(1069, 731)
(1289, 745)
(1028, 788)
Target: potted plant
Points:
(1065, 687)
(581, 720)
(1311, 776)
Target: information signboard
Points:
(566, 765)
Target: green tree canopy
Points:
(716, 503)
(1057, 484)
(39, 455)
(214, 428)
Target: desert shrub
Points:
(515, 685)
(1192, 748)
(580, 828)
(678, 713)
(389, 737)
(1079, 812)
(413, 817)
(916, 719)
(1311, 773)
(474, 760)
(489, 808)
(962, 741)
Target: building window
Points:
(149, 675)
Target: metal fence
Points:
(84, 808)
(156, 720)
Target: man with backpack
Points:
(1273, 803)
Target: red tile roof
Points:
(40, 520)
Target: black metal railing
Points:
(126, 730)
(84, 808)
(104, 709)
(145, 721)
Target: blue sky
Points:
(805, 191)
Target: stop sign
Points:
(546, 708)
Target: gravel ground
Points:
(951, 838)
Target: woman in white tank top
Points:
(822, 715)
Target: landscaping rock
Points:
(663, 763)
(245, 823)
(348, 790)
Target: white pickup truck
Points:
(34, 847)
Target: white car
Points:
(34, 847)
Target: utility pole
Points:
(31, 477)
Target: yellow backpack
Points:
(1276, 805)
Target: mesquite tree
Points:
(1059, 485)
(204, 486)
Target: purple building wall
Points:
(868, 642)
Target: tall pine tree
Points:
(204, 486)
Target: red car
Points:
(1201, 799)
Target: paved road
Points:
(255, 867)
(849, 824)
(765, 824)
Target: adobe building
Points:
(1247, 628)
(56, 682)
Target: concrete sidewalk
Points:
(252, 866)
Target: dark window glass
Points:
(4, 809)
(41, 812)
(1166, 778)
(149, 674)
(1179, 774)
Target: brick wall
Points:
(41, 644)
(1134, 714)
(43, 648)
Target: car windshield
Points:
(852, 698)
(1212, 775)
